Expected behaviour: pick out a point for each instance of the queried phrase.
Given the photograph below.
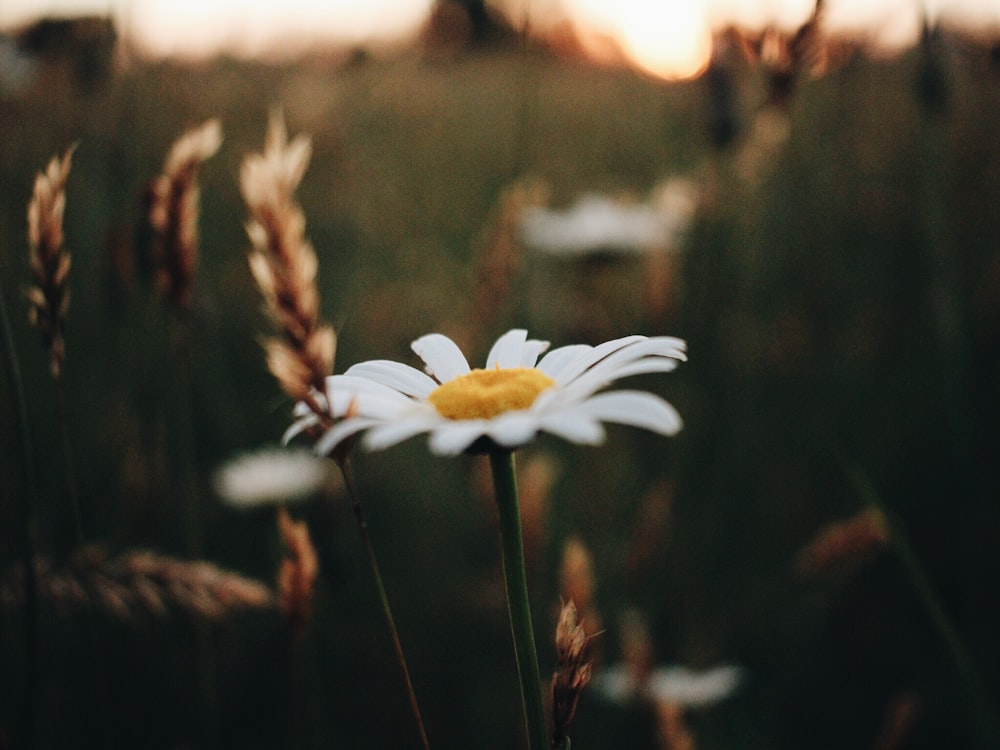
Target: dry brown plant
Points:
(48, 299)
(297, 572)
(673, 731)
(284, 265)
(573, 671)
(844, 544)
(636, 646)
(785, 57)
(173, 212)
(577, 582)
(139, 582)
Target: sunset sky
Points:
(665, 37)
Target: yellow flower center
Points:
(483, 394)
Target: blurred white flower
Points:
(505, 404)
(676, 685)
(271, 475)
(693, 688)
(597, 223)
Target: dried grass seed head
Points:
(284, 264)
(139, 582)
(573, 670)
(174, 209)
(843, 545)
(48, 300)
(297, 572)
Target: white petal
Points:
(575, 427)
(624, 361)
(367, 398)
(403, 378)
(599, 376)
(531, 351)
(635, 408)
(647, 365)
(341, 431)
(455, 436)
(352, 384)
(506, 352)
(513, 429)
(588, 359)
(390, 433)
(515, 349)
(442, 356)
(554, 362)
(298, 427)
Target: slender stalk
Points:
(979, 702)
(344, 465)
(96, 663)
(74, 495)
(516, 580)
(29, 532)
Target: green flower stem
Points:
(979, 703)
(397, 645)
(515, 578)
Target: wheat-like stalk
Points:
(785, 56)
(139, 582)
(173, 212)
(573, 671)
(48, 299)
(284, 264)
(844, 544)
(578, 583)
(297, 571)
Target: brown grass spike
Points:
(173, 213)
(48, 300)
(284, 264)
(573, 671)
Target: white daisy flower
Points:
(600, 224)
(694, 688)
(514, 397)
(271, 475)
(671, 684)
(595, 223)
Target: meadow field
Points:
(826, 524)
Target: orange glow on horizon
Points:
(670, 39)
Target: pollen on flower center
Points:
(483, 394)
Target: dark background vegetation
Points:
(842, 308)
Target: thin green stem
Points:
(516, 580)
(29, 532)
(979, 702)
(344, 465)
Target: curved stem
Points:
(515, 578)
(979, 702)
(397, 645)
